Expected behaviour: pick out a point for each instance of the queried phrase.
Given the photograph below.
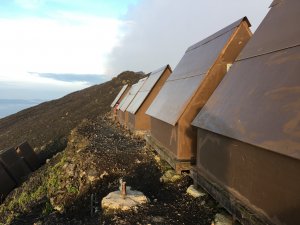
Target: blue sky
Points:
(45, 8)
(52, 47)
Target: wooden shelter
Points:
(118, 99)
(15, 165)
(25, 151)
(188, 88)
(248, 151)
(122, 113)
(137, 118)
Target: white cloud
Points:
(161, 31)
(67, 44)
(22, 85)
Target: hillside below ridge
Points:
(99, 153)
(47, 125)
(88, 153)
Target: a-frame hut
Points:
(25, 151)
(138, 121)
(122, 113)
(118, 99)
(14, 165)
(6, 183)
(192, 82)
(248, 154)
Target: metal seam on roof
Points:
(266, 53)
(277, 31)
(219, 33)
(132, 93)
(233, 110)
(182, 78)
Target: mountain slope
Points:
(47, 125)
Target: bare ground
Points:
(98, 154)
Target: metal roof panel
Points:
(258, 102)
(131, 94)
(146, 89)
(119, 95)
(186, 78)
(173, 98)
(279, 30)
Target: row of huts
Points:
(15, 166)
(230, 114)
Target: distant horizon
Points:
(12, 106)
(9, 105)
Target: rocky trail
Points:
(97, 155)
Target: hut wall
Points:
(262, 180)
(121, 117)
(165, 134)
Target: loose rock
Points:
(221, 219)
(114, 201)
(196, 193)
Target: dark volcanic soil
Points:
(114, 153)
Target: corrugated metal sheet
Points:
(279, 30)
(118, 96)
(258, 102)
(132, 93)
(145, 90)
(187, 76)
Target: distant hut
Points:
(122, 113)
(25, 151)
(14, 165)
(188, 88)
(248, 154)
(137, 119)
(118, 99)
(6, 183)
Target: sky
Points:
(49, 48)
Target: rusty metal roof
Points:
(146, 89)
(188, 74)
(132, 93)
(258, 102)
(279, 30)
(119, 95)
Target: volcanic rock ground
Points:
(98, 154)
(89, 153)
